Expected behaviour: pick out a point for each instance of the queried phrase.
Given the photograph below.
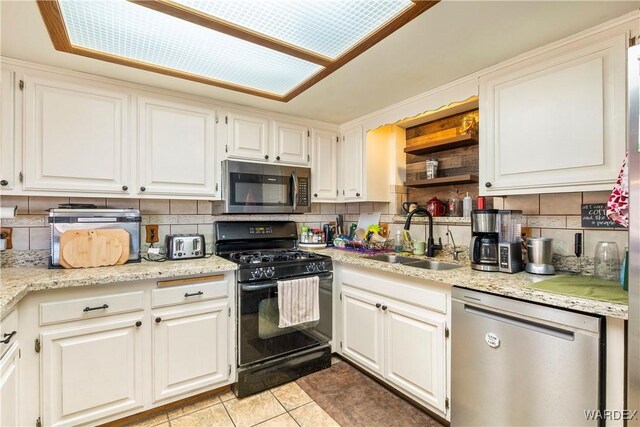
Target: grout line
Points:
(228, 413)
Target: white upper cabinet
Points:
(76, 136)
(324, 165)
(555, 122)
(351, 165)
(247, 137)
(7, 132)
(176, 148)
(291, 143)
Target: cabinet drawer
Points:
(8, 331)
(194, 292)
(89, 308)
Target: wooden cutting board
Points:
(94, 248)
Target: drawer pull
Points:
(101, 307)
(195, 294)
(138, 324)
(7, 337)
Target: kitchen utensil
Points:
(436, 207)
(419, 247)
(540, 255)
(94, 248)
(606, 261)
(432, 168)
(185, 246)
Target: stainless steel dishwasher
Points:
(516, 363)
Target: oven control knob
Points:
(269, 271)
(256, 274)
(322, 266)
(311, 268)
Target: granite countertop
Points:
(16, 282)
(511, 285)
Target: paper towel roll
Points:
(9, 212)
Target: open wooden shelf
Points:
(445, 180)
(442, 144)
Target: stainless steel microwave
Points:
(259, 188)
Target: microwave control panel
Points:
(303, 191)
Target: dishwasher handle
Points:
(520, 322)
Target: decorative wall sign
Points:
(594, 215)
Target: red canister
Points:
(481, 202)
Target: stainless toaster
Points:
(185, 246)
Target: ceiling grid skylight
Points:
(270, 48)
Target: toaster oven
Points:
(61, 220)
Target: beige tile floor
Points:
(282, 406)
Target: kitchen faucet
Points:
(431, 247)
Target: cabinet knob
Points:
(125, 188)
(158, 319)
(142, 189)
(4, 182)
(487, 184)
(378, 305)
(384, 307)
(315, 194)
(266, 157)
(277, 157)
(357, 194)
(138, 324)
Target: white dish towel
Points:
(298, 301)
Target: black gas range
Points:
(266, 253)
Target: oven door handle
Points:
(263, 286)
(294, 178)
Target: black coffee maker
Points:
(329, 233)
(493, 245)
(484, 240)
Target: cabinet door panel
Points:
(351, 164)
(7, 132)
(324, 165)
(247, 137)
(76, 137)
(91, 372)
(554, 121)
(362, 329)
(415, 353)
(176, 148)
(9, 388)
(291, 143)
(190, 350)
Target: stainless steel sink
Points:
(414, 262)
(432, 265)
(392, 258)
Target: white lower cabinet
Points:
(9, 387)
(189, 349)
(91, 372)
(362, 328)
(103, 353)
(398, 331)
(415, 352)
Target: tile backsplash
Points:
(31, 230)
(549, 215)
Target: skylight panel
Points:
(326, 27)
(127, 30)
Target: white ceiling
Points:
(451, 40)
